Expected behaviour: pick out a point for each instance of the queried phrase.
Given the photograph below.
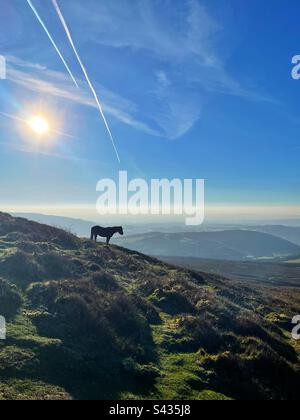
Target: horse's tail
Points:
(92, 234)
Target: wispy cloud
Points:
(185, 65)
(34, 151)
(39, 79)
(181, 39)
(163, 80)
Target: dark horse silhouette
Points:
(107, 233)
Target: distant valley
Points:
(236, 245)
(268, 273)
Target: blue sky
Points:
(190, 88)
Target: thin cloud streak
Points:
(56, 84)
(29, 150)
(52, 41)
(190, 67)
(25, 122)
(60, 15)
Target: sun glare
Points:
(39, 125)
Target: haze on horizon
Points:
(214, 214)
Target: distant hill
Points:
(289, 233)
(87, 321)
(82, 228)
(225, 245)
(78, 227)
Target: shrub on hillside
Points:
(43, 294)
(172, 302)
(85, 311)
(147, 309)
(128, 323)
(81, 319)
(57, 266)
(249, 325)
(260, 375)
(21, 268)
(203, 333)
(145, 374)
(104, 281)
(10, 299)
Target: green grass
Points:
(181, 374)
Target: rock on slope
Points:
(86, 321)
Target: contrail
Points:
(12, 117)
(62, 19)
(52, 40)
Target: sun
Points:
(39, 125)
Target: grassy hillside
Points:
(86, 321)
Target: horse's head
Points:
(120, 230)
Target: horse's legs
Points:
(108, 239)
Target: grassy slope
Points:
(90, 322)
